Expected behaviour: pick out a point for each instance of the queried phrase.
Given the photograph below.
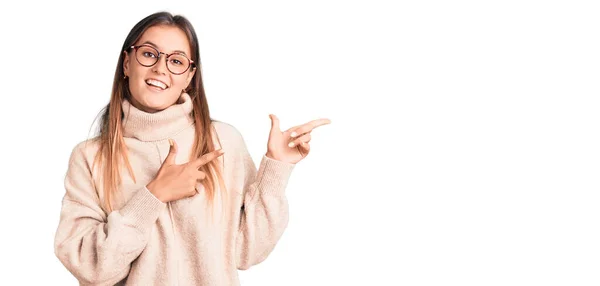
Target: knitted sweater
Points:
(147, 242)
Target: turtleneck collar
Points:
(160, 125)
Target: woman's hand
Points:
(174, 182)
(291, 145)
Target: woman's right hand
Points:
(174, 182)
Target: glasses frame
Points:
(135, 48)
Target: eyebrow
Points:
(154, 45)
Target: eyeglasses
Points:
(148, 56)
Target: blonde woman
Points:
(165, 195)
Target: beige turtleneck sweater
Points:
(147, 242)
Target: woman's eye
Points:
(149, 55)
(177, 62)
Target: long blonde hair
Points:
(111, 143)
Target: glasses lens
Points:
(146, 56)
(178, 63)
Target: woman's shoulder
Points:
(86, 149)
(229, 137)
(226, 131)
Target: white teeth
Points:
(156, 83)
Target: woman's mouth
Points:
(156, 84)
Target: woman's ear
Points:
(126, 63)
(190, 76)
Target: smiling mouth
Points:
(157, 83)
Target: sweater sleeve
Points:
(264, 213)
(98, 249)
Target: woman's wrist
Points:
(155, 191)
(268, 154)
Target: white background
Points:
(463, 149)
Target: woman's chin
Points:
(152, 101)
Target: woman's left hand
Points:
(291, 145)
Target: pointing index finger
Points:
(307, 127)
(319, 122)
(206, 158)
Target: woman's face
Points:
(155, 88)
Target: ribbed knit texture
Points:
(156, 126)
(146, 242)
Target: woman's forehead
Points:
(167, 39)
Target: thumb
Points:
(170, 160)
(274, 123)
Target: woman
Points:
(165, 195)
